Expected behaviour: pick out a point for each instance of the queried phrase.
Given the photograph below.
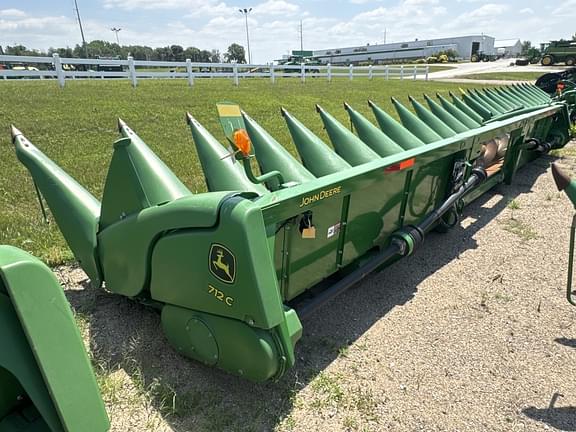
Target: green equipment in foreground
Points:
(235, 270)
(46, 380)
(564, 183)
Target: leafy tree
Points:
(192, 53)
(235, 53)
(177, 53)
(526, 46)
(215, 56)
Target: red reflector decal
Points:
(408, 163)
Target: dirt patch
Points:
(471, 333)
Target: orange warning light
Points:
(242, 141)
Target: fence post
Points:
(329, 72)
(386, 73)
(235, 70)
(427, 70)
(401, 72)
(370, 72)
(132, 71)
(415, 71)
(351, 71)
(58, 68)
(189, 71)
(272, 76)
(302, 72)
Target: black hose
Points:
(400, 245)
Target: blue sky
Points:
(215, 24)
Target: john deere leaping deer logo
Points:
(222, 263)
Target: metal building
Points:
(465, 46)
(508, 47)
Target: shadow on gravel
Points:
(563, 418)
(191, 396)
(566, 342)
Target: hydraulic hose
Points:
(403, 243)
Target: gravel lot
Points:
(472, 333)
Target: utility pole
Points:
(385, 29)
(116, 30)
(301, 39)
(245, 12)
(81, 29)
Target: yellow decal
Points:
(326, 193)
(222, 263)
(220, 295)
(228, 110)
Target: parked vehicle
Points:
(482, 56)
(559, 52)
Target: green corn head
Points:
(46, 381)
(235, 270)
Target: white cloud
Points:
(189, 5)
(215, 24)
(487, 10)
(12, 13)
(276, 7)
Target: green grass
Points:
(76, 127)
(506, 76)
(521, 229)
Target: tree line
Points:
(99, 48)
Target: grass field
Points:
(76, 127)
(507, 76)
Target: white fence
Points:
(63, 69)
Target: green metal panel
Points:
(483, 111)
(458, 103)
(371, 135)
(45, 350)
(413, 123)
(222, 172)
(529, 98)
(492, 95)
(483, 100)
(125, 247)
(438, 126)
(394, 130)
(495, 105)
(447, 118)
(518, 103)
(184, 268)
(231, 270)
(228, 344)
(544, 98)
(75, 210)
(316, 156)
(520, 97)
(463, 117)
(272, 156)
(137, 179)
(346, 144)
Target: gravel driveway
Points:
(472, 333)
